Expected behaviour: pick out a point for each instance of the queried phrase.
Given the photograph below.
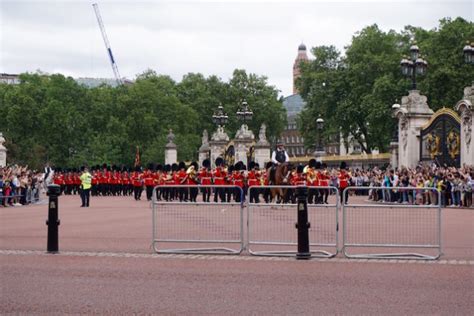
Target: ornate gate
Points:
(440, 139)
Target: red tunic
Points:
(137, 179)
(205, 176)
(148, 178)
(238, 179)
(252, 179)
(219, 176)
(343, 179)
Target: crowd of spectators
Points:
(455, 185)
(19, 185)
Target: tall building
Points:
(300, 58)
(293, 104)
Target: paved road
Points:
(57, 284)
(106, 266)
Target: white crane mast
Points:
(107, 44)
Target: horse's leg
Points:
(280, 196)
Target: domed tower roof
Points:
(302, 47)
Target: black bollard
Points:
(53, 221)
(303, 225)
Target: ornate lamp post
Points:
(413, 66)
(319, 127)
(219, 117)
(469, 53)
(244, 114)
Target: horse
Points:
(279, 176)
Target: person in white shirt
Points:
(280, 155)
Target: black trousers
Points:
(85, 196)
(137, 192)
(149, 192)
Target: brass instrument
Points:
(191, 172)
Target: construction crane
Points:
(107, 45)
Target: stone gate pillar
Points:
(218, 143)
(465, 109)
(412, 114)
(171, 151)
(262, 148)
(243, 142)
(3, 152)
(204, 150)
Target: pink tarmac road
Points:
(106, 266)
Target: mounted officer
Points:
(279, 156)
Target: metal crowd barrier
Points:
(392, 226)
(216, 227)
(271, 226)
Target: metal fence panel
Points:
(178, 227)
(271, 227)
(369, 227)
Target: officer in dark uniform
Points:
(279, 156)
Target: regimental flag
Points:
(137, 162)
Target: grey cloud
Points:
(175, 38)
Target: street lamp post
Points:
(219, 117)
(244, 113)
(319, 127)
(469, 53)
(413, 66)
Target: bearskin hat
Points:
(251, 165)
(230, 169)
(174, 167)
(300, 169)
(219, 161)
(318, 165)
(343, 165)
(312, 163)
(195, 165)
(206, 163)
(182, 165)
(256, 166)
(159, 167)
(167, 168)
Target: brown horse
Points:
(279, 176)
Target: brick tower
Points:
(301, 57)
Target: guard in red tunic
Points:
(167, 179)
(137, 182)
(205, 179)
(94, 182)
(192, 181)
(219, 175)
(158, 181)
(253, 182)
(323, 175)
(126, 183)
(183, 192)
(238, 181)
(174, 174)
(76, 181)
(149, 182)
(312, 181)
(343, 180)
(68, 182)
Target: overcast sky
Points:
(210, 37)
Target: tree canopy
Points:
(354, 92)
(51, 118)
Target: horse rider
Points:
(279, 156)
